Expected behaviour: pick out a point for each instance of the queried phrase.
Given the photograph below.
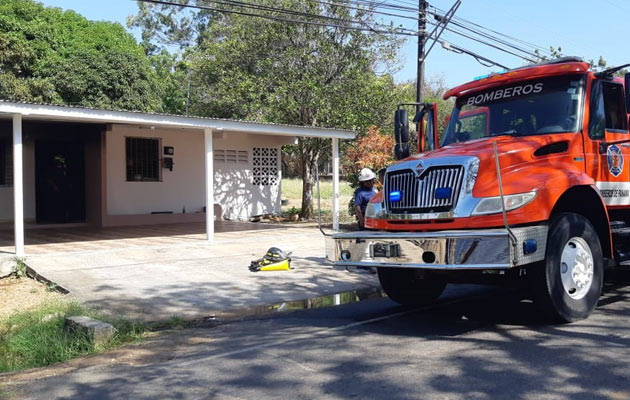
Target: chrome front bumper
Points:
(471, 249)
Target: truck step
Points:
(617, 225)
(622, 257)
(621, 235)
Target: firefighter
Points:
(363, 194)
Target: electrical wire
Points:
(373, 7)
(526, 55)
(494, 38)
(262, 7)
(490, 45)
(470, 23)
(460, 50)
(391, 31)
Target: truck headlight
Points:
(471, 176)
(373, 210)
(492, 205)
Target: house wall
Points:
(234, 187)
(179, 189)
(184, 187)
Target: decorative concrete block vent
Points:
(98, 332)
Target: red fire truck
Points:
(530, 180)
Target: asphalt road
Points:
(480, 343)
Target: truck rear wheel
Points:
(410, 287)
(568, 283)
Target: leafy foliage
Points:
(433, 91)
(374, 151)
(166, 26)
(51, 56)
(556, 53)
(265, 70)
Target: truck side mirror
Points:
(401, 134)
(627, 90)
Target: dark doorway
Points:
(59, 181)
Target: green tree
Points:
(556, 53)
(433, 89)
(274, 71)
(48, 55)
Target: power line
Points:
(527, 55)
(283, 19)
(491, 37)
(528, 44)
(489, 44)
(262, 7)
(342, 23)
(460, 50)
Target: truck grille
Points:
(435, 190)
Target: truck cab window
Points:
(597, 119)
(614, 106)
(533, 107)
(472, 125)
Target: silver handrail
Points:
(505, 221)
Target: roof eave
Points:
(77, 114)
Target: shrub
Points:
(374, 151)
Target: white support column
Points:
(18, 186)
(209, 185)
(335, 205)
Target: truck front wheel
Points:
(410, 287)
(568, 282)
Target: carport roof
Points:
(47, 112)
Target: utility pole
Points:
(422, 33)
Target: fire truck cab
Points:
(530, 180)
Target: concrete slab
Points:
(7, 264)
(193, 278)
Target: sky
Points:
(580, 27)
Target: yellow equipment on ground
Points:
(274, 260)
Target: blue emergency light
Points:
(395, 195)
(443, 193)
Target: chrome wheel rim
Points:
(576, 268)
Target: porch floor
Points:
(155, 272)
(80, 238)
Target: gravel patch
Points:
(21, 294)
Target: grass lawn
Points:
(37, 337)
(292, 191)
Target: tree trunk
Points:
(309, 150)
(308, 181)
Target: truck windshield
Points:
(536, 107)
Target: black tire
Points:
(410, 287)
(549, 292)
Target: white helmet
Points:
(366, 174)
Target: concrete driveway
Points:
(154, 277)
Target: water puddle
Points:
(353, 296)
(338, 299)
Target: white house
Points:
(105, 168)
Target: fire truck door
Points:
(608, 124)
(428, 138)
